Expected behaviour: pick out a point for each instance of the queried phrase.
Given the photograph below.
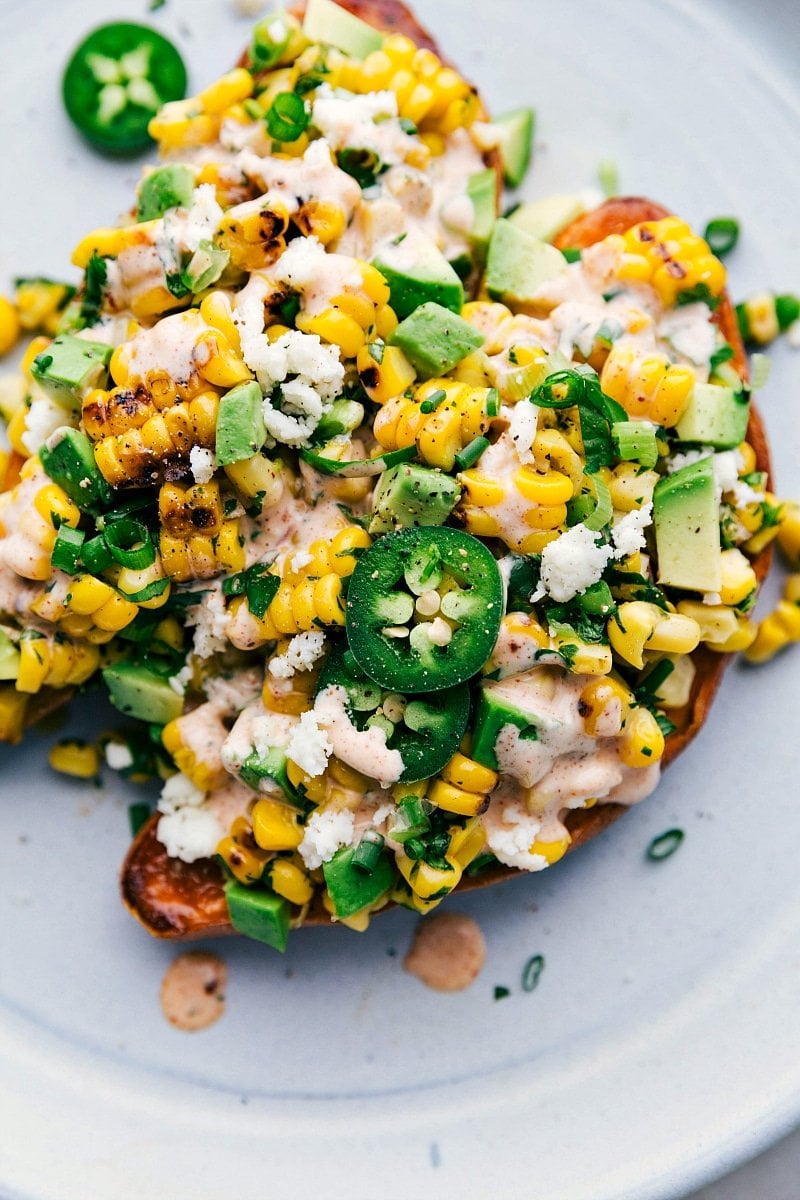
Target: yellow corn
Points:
(202, 556)
(738, 577)
(668, 256)
(647, 386)
(90, 597)
(241, 854)
(427, 881)
(600, 719)
(441, 434)
(639, 626)
(779, 628)
(75, 758)
(205, 776)
(631, 487)
(290, 881)
(258, 479)
(9, 325)
(322, 219)
(275, 825)
(54, 661)
(552, 851)
(180, 123)
(385, 379)
(13, 708)
(232, 88)
(642, 742)
(789, 533)
(334, 326)
(136, 457)
(111, 241)
(187, 511)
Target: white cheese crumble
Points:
(690, 332)
(324, 833)
(270, 732)
(179, 792)
(203, 464)
(183, 229)
(510, 833)
(522, 429)
(572, 563)
(362, 122)
(627, 533)
(118, 756)
(42, 419)
(307, 267)
(209, 619)
(187, 830)
(309, 746)
(302, 653)
(310, 375)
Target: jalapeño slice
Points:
(425, 730)
(424, 609)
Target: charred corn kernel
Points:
(548, 489)
(738, 577)
(241, 854)
(670, 257)
(237, 85)
(203, 775)
(639, 626)
(9, 325)
(258, 479)
(604, 704)
(75, 758)
(630, 487)
(642, 742)
(322, 219)
(275, 825)
(13, 709)
(136, 458)
(480, 489)
(311, 787)
(552, 851)
(463, 772)
(185, 511)
(647, 386)
(336, 327)
(218, 363)
(289, 881)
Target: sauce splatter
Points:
(193, 990)
(448, 952)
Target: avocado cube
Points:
(715, 416)
(409, 495)
(258, 914)
(482, 191)
(331, 25)
(417, 272)
(350, 887)
(139, 692)
(686, 519)
(544, 218)
(241, 431)
(494, 712)
(164, 188)
(9, 657)
(518, 264)
(271, 765)
(68, 458)
(434, 339)
(70, 366)
(515, 131)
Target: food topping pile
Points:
(396, 527)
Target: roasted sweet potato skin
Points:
(174, 900)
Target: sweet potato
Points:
(175, 900)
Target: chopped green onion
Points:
(129, 544)
(96, 555)
(664, 845)
(501, 992)
(257, 584)
(363, 165)
(603, 509)
(410, 821)
(137, 815)
(635, 441)
(359, 467)
(562, 389)
(571, 254)
(608, 177)
(493, 403)
(471, 453)
(156, 588)
(67, 549)
(287, 118)
(722, 354)
(787, 310)
(368, 851)
(722, 234)
(481, 863)
(432, 402)
(532, 972)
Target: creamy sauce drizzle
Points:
(193, 991)
(448, 952)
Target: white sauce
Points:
(364, 750)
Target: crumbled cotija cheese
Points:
(324, 833)
(572, 563)
(118, 756)
(209, 617)
(42, 419)
(522, 429)
(301, 654)
(309, 746)
(627, 533)
(203, 463)
(190, 833)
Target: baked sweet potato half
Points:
(175, 900)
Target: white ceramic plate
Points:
(662, 1044)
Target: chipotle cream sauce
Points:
(448, 952)
(193, 990)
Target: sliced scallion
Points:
(532, 972)
(129, 544)
(368, 851)
(635, 441)
(287, 118)
(96, 555)
(664, 845)
(603, 509)
(432, 402)
(722, 234)
(67, 549)
(471, 453)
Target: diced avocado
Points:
(139, 692)
(350, 887)
(417, 272)
(70, 366)
(326, 22)
(68, 458)
(482, 191)
(493, 713)
(271, 765)
(686, 519)
(204, 267)
(164, 188)
(9, 657)
(409, 495)
(434, 339)
(258, 914)
(518, 264)
(344, 417)
(715, 416)
(241, 431)
(515, 131)
(544, 218)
